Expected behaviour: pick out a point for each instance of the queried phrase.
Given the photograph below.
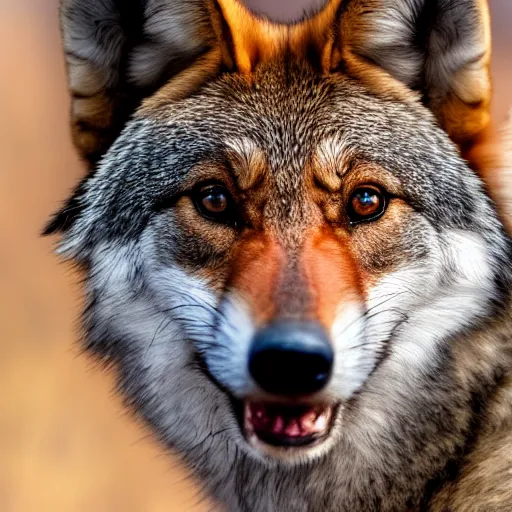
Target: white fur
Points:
(333, 154)
(228, 359)
(447, 307)
(353, 362)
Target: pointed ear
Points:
(440, 48)
(119, 52)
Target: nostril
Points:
(291, 359)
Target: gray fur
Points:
(118, 52)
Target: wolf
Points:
(290, 250)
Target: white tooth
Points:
(321, 422)
(323, 419)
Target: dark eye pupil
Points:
(215, 201)
(366, 203)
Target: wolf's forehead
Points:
(281, 109)
(279, 125)
(286, 115)
(324, 159)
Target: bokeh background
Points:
(65, 442)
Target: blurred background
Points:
(65, 442)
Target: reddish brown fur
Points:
(256, 267)
(326, 266)
(487, 155)
(331, 273)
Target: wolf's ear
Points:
(440, 48)
(119, 52)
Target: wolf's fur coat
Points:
(290, 118)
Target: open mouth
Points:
(287, 426)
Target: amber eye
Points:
(215, 202)
(366, 204)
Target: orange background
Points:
(65, 442)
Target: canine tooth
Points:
(321, 422)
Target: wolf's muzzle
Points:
(291, 358)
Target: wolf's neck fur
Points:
(422, 454)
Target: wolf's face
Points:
(273, 261)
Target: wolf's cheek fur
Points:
(147, 318)
(429, 302)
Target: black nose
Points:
(291, 358)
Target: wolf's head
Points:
(283, 237)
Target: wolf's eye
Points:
(366, 203)
(215, 202)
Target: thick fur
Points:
(119, 52)
(440, 48)
(423, 350)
